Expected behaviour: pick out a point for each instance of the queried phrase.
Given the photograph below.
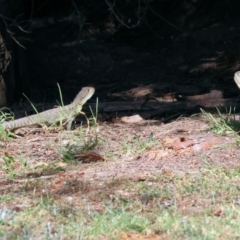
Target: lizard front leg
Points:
(69, 123)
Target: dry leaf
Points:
(214, 94)
(116, 120)
(169, 174)
(133, 236)
(182, 144)
(168, 141)
(132, 119)
(153, 155)
(90, 157)
(218, 213)
(209, 142)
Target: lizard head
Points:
(85, 94)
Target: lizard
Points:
(237, 78)
(63, 114)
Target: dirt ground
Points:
(123, 151)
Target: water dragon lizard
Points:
(62, 114)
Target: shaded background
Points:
(177, 47)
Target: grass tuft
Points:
(223, 124)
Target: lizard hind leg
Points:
(88, 123)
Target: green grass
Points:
(138, 145)
(5, 116)
(223, 124)
(18, 168)
(205, 205)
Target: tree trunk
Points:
(15, 74)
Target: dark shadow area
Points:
(167, 51)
